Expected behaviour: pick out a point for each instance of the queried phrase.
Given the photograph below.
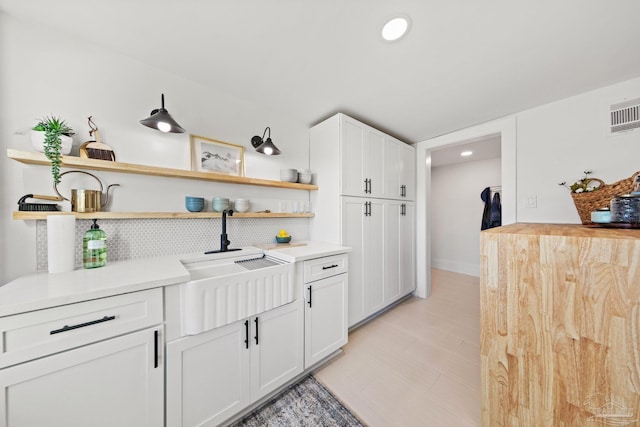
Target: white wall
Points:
(557, 141)
(45, 72)
(457, 213)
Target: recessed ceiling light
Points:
(466, 153)
(395, 28)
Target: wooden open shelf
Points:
(27, 215)
(34, 158)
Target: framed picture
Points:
(210, 155)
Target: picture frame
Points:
(212, 155)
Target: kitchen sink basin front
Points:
(226, 287)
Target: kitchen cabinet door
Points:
(407, 249)
(325, 317)
(362, 228)
(407, 170)
(363, 162)
(116, 382)
(208, 376)
(392, 241)
(392, 183)
(277, 348)
(353, 145)
(375, 163)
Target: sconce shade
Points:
(161, 119)
(265, 146)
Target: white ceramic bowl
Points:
(304, 177)
(288, 175)
(241, 205)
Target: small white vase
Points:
(37, 141)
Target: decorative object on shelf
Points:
(210, 155)
(265, 146)
(52, 136)
(194, 204)
(304, 176)
(587, 201)
(86, 200)
(241, 205)
(161, 119)
(288, 175)
(38, 207)
(220, 204)
(96, 149)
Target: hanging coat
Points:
(486, 198)
(495, 217)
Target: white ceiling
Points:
(463, 62)
(481, 148)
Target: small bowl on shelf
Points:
(241, 205)
(304, 176)
(288, 175)
(281, 239)
(194, 204)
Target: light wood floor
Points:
(418, 364)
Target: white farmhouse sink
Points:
(224, 289)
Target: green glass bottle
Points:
(94, 247)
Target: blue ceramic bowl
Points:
(283, 239)
(194, 204)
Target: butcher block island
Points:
(560, 315)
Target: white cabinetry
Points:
(325, 316)
(214, 375)
(363, 162)
(363, 224)
(84, 364)
(370, 222)
(399, 249)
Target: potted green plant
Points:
(52, 136)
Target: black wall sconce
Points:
(265, 146)
(161, 119)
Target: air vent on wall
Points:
(624, 117)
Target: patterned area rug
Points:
(306, 403)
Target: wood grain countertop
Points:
(569, 230)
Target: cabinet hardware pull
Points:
(156, 346)
(66, 328)
(366, 185)
(370, 186)
(256, 337)
(246, 334)
(326, 267)
(309, 296)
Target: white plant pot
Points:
(37, 141)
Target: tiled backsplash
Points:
(143, 238)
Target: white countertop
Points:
(309, 250)
(41, 290)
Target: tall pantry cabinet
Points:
(365, 200)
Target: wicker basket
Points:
(590, 201)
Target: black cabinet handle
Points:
(326, 267)
(309, 296)
(246, 334)
(66, 328)
(256, 337)
(370, 185)
(156, 348)
(366, 185)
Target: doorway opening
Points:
(505, 129)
